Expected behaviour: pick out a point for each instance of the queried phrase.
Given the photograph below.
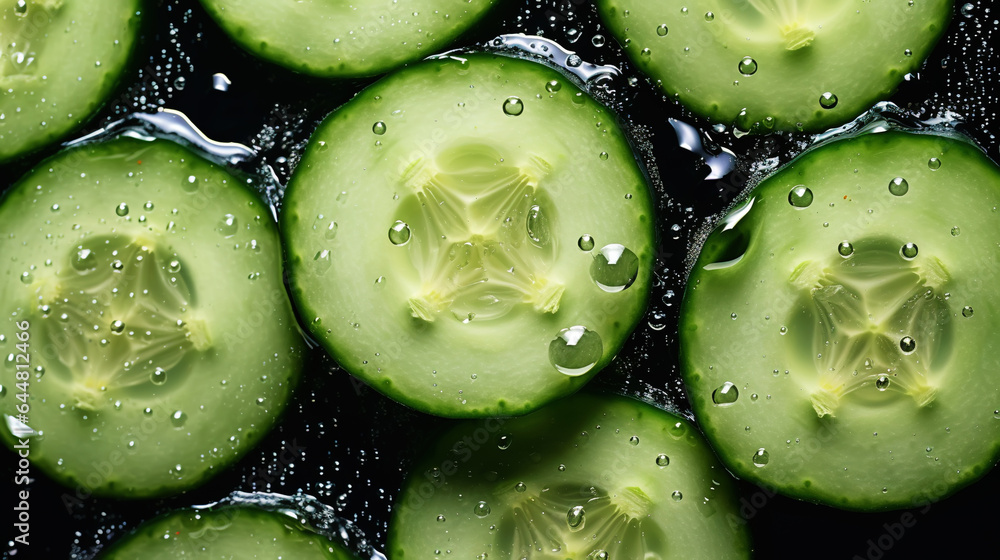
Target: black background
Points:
(356, 445)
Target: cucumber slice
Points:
(144, 318)
(837, 334)
(588, 477)
(225, 532)
(478, 248)
(777, 64)
(340, 39)
(59, 61)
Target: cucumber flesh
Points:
(839, 327)
(769, 65)
(472, 236)
(144, 314)
(225, 532)
(340, 39)
(588, 477)
(59, 61)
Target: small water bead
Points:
(441, 519)
(84, 260)
(482, 509)
(598, 40)
(726, 394)
(26, 278)
(575, 350)
(599, 555)
(967, 311)
(158, 376)
(553, 86)
(907, 344)
(379, 128)
(117, 326)
(828, 100)
(677, 496)
(709, 16)
(956, 231)
(882, 382)
(331, 231)
(934, 163)
(662, 30)
(503, 442)
(520, 487)
(576, 518)
(175, 266)
(748, 66)
(228, 225)
(121, 209)
(55, 208)
(574, 61)
(908, 251)
(399, 233)
(603, 156)
(898, 186)
(800, 196)
(586, 243)
(536, 224)
(178, 419)
(845, 249)
(614, 268)
(148, 206)
(513, 106)
(646, 53)
(761, 457)
(21, 8)
(634, 440)
(662, 460)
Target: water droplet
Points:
(85, 260)
(158, 377)
(553, 86)
(967, 311)
(634, 440)
(323, 260)
(907, 345)
(520, 487)
(220, 82)
(228, 225)
(121, 209)
(956, 231)
(828, 100)
(603, 156)
(379, 128)
(908, 251)
(761, 457)
(575, 350)
(117, 326)
(586, 243)
(504, 441)
(148, 206)
(882, 382)
(800, 196)
(574, 61)
(614, 268)
(441, 519)
(331, 231)
(26, 278)
(898, 186)
(726, 394)
(482, 509)
(576, 518)
(662, 460)
(662, 30)
(709, 16)
(845, 249)
(934, 163)
(748, 66)
(598, 40)
(677, 496)
(399, 233)
(21, 8)
(178, 419)
(513, 106)
(646, 53)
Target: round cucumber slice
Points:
(340, 39)
(588, 477)
(777, 64)
(59, 60)
(838, 333)
(472, 236)
(225, 532)
(144, 318)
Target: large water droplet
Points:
(967, 311)
(845, 249)
(158, 377)
(537, 226)
(84, 261)
(726, 394)
(614, 268)
(898, 186)
(379, 128)
(907, 344)
(748, 66)
(117, 326)
(761, 457)
(586, 243)
(677, 496)
(399, 233)
(482, 509)
(331, 231)
(934, 163)
(553, 86)
(178, 419)
(575, 350)
(323, 261)
(520, 487)
(828, 100)
(228, 225)
(908, 251)
(121, 209)
(21, 8)
(882, 382)
(800, 196)
(513, 106)
(662, 460)
(576, 518)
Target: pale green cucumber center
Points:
(479, 234)
(574, 522)
(23, 28)
(796, 21)
(117, 315)
(878, 322)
